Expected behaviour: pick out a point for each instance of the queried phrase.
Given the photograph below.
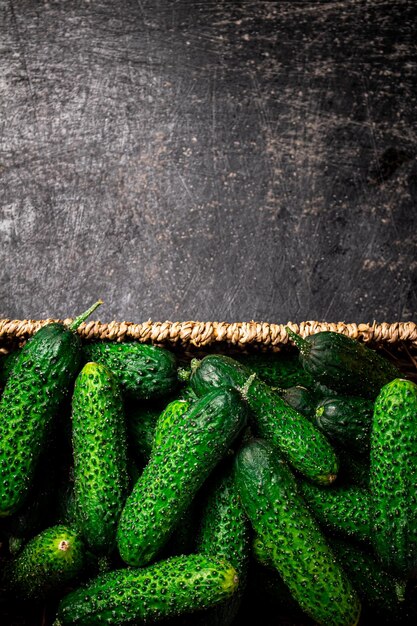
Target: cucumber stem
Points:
(81, 318)
(195, 363)
(301, 343)
(184, 374)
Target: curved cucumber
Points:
(302, 444)
(293, 538)
(47, 563)
(176, 471)
(393, 473)
(344, 364)
(143, 371)
(37, 384)
(100, 465)
(169, 588)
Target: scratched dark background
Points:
(209, 160)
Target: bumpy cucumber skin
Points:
(393, 472)
(37, 385)
(48, 562)
(165, 589)
(7, 362)
(345, 364)
(291, 535)
(347, 421)
(100, 463)
(303, 445)
(140, 423)
(340, 509)
(175, 472)
(143, 371)
(277, 369)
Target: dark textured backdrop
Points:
(209, 160)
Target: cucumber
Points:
(173, 587)
(298, 549)
(143, 371)
(100, 463)
(393, 471)
(47, 563)
(302, 444)
(344, 364)
(141, 418)
(342, 510)
(39, 381)
(347, 421)
(176, 471)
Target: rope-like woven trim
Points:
(200, 334)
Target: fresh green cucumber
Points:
(141, 418)
(100, 450)
(47, 563)
(143, 371)
(299, 551)
(176, 471)
(173, 587)
(339, 509)
(393, 473)
(347, 421)
(303, 445)
(39, 381)
(344, 364)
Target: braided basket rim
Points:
(202, 334)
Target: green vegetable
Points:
(7, 362)
(344, 364)
(143, 371)
(393, 474)
(168, 419)
(303, 445)
(176, 471)
(301, 399)
(100, 464)
(278, 369)
(38, 383)
(298, 549)
(47, 563)
(347, 421)
(170, 588)
(141, 418)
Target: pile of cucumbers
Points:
(139, 487)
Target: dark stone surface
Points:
(209, 160)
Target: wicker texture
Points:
(202, 334)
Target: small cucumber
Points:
(47, 563)
(100, 463)
(342, 510)
(347, 421)
(393, 473)
(39, 381)
(143, 371)
(298, 549)
(344, 364)
(170, 588)
(168, 419)
(302, 444)
(176, 471)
